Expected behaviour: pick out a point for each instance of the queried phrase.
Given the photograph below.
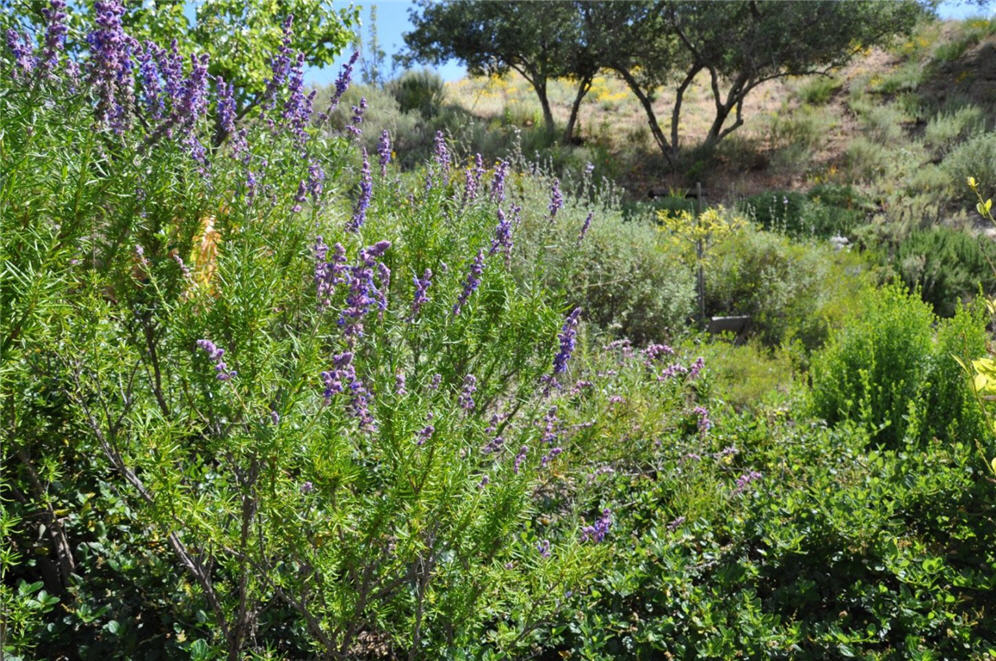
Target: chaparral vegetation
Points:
(372, 371)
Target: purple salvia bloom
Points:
(280, 65)
(567, 337)
(171, 67)
(550, 456)
(342, 378)
(55, 35)
(226, 106)
(485, 480)
(520, 457)
(274, 417)
(442, 156)
(111, 66)
(366, 192)
(675, 523)
(316, 179)
(705, 424)
(363, 292)
(466, 398)
(328, 274)
(597, 531)
(297, 109)
(424, 434)
(384, 151)
(342, 82)
(655, 352)
(503, 236)
(745, 480)
(148, 69)
(556, 199)
(473, 281)
(24, 57)
(696, 368)
(434, 382)
(671, 371)
(498, 182)
(473, 181)
(357, 119)
(543, 546)
(421, 287)
(399, 384)
(494, 445)
(587, 224)
(301, 197)
(215, 354)
(307, 488)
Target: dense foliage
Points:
(265, 394)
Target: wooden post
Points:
(698, 250)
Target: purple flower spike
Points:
(597, 532)
(424, 434)
(421, 287)
(498, 182)
(215, 354)
(366, 192)
(520, 457)
(587, 224)
(705, 424)
(745, 480)
(20, 47)
(342, 82)
(307, 488)
(442, 156)
(472, 282)
(466, 398)
(55, 35)
(556, 199)
(111, 66)
(567, 336)
(384, 152)
(543, 546)
(354, 124)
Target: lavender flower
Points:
(551, 423)
(328, 274)
(110, 69)
(520, 457)
(485, 480)
(442, 156)
(705, 424)
(472, 282)
(654, 352)
(301, 197)
(434, 382)
(696, 367)
(567, 341)
(473, 180)
(503, 236)
(342, 82)
(297, 108)
(280, 64)
(494, 445)
(316, 179)
(466, 398)
(674, 524)
(543, 546)
(498, 182)
(587, 224)
(342, 378)
(307, 488)
(550, 456)
(55, 35)
(384, 151)
(357, 119)
(20, 47)
(745, 480)
(424, 434)
(556, 199)
(274, 417)
(148, 69)
(215, 354)
(363, 291)
(399, 384)
(597, 531)
(366, 192)
(421, 287)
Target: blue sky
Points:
(392, 23)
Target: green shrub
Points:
(946, 129)
(946, 266)
(790, 290)
(885, 371)
(975, 157)
(819, 89)
(824, 212)
(421, 91)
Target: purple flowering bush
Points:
(317, 397)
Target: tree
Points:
(739, 44)
(239, 36)
(541, 41)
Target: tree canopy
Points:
(738, 44)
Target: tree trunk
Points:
(545, 103)
(583, 88)
(667, 150)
